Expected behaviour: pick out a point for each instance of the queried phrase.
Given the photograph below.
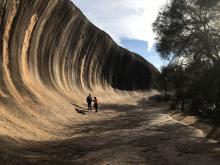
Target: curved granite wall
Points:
(51, 56)
(51, 42)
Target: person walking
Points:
(89, 102)
(95, 104)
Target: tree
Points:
(177, 79)
(188, 34)
(189, 29)
(164, 80)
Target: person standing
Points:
(89, 102)
(95, 104)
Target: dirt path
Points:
(135, 134)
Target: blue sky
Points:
(128, 22)
(141, 48)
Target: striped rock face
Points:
(50, 54)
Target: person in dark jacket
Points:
(89, 102)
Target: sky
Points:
(128, 22)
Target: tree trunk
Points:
(216, 106)
(165, 88)
(217, 100)
(183, 105)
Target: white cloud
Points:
(123, 18)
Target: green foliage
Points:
(188, 34)
(189, 29)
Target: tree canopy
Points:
(188, 34)
(189, 29)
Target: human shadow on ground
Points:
(77, 106)
(80, 109)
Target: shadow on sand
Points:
(131, 132)
(80, 109)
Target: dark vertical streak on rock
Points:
(66, 51)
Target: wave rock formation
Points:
(51, 56)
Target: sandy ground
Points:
(208, 126)
(138, 131)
